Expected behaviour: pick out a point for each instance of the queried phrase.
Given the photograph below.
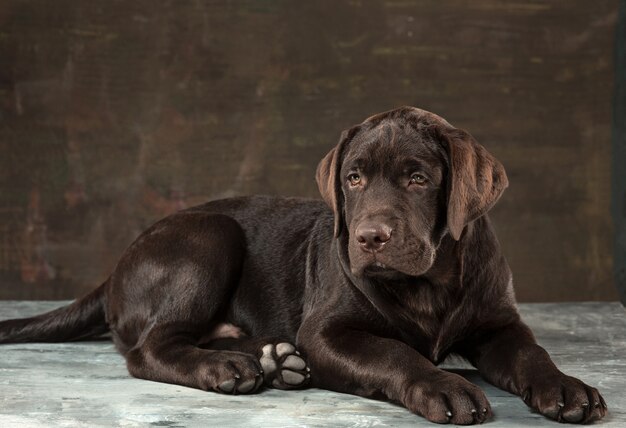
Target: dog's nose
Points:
(372, 237)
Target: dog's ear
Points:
(329, 180)
(476, 179)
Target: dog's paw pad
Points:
(292, 378)
(238, 386)
(294, 362)
(227, 386)
(267, 360)
(283, 367)
(246, 386)
(285, 348)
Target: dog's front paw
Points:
(283, 366)
(565, 399)
(449, 398)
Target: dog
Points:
(365, 298)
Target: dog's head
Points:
(400, 181)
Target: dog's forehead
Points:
(410, 114)
(392, 141)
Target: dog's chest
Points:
(436, 321)
(435, 339)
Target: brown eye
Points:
(418, 179)
(355, 179)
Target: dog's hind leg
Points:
(170, 354)
(283, 365)
(168, 290)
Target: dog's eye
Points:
(355, 179)
(418, 179)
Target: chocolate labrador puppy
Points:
(402, 270)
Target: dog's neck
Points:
(402, 302)
(447, 269)
(444, 274)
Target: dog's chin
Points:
(381, 270)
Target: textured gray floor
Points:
(86, 384)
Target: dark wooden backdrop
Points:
(114, 114)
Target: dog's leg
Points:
(511, 359)
(283, 365)
(356, 362)
(170, 354)
(168, 291)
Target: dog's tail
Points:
(82, 319)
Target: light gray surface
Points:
(86, 384)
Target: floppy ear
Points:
(328, 180)
(476, 180)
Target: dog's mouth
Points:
(390, 266)
(377, 267)
(383, 272)
(380, 269)
(372, 267)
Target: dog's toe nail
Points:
(474, 411)
(308, 369)
(448, 413)
(585, 404)
(596, 404)
(484, 410)
(560, 404)
(237, 376)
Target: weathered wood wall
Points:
(113, 114)
(619, 155)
